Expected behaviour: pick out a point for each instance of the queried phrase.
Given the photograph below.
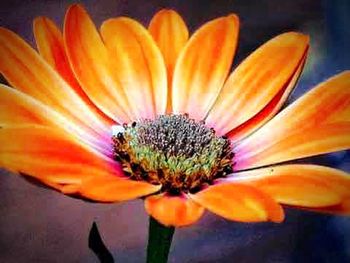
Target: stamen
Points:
(172, 150)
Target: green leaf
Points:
(98, 247)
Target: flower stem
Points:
(159, 241)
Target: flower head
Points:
(130, 112)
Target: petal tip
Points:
(4, 30)
(76, 8)
(345, 72)
(297, 36)
(305, 38)
(39, 19)
(233, 17)
(278, 216)
(178, 211)
(41, 22)
(165, 14)
(166, 11)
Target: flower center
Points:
(173, 150)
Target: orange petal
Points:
(270, 110)
(239, 202)
(49, 41)
(341, 209)
(140, 67)
(113, 189)
(171, 34)
(92, 65)
(51, 156)
(203, 65)
(272, 70)
(173, 210)
(27, 71)
(299, 184)
(317, 123)
(17, 108)
(248, 127)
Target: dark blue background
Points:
(40, 225)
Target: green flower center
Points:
(173, 150)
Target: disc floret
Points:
(173, 150)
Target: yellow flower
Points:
(186, 133)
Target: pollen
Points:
(179, 153)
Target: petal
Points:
(239, 202)
(17, 108)
(299, 184)
(171, 34)
(140, 68)
(251, 125)
(27, 71)
(317, 123)
(92, 65)
(49, 41)
(269, 72)
(341, 209)
(173, 210)
(51, 156)
(203, 65)
(112, 189)
(248, 127)
(68, 166)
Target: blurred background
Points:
(40, 225)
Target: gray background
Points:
(40, 225)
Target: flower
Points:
(187, 135)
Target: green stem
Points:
(159, 241)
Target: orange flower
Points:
(186, 134)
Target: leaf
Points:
(98, 247)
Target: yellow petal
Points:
(49, 41)
(239, 202)
(317, 123)
(299, 184)
(173, 210)
(203, 66)
(140, 67)
(171, 34)
(269, 72)
(92, 65)
(24, 69)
